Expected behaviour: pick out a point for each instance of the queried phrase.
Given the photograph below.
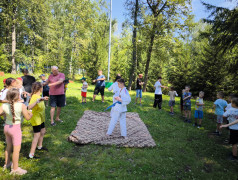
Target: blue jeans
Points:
(139, 93)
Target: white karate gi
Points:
(116, 91)
(119, 112)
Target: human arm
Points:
(56, 83)
(27, 114)
(1, 111)
(230, 124)
(125, 98)
(33, 104)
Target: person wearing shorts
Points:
(172, 93)
(100, 85)
(84, 90)
(57, 93)
(220, 104)
(187, 104)
(38, 119)
(199, 110)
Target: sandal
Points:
(18, 171)
(59, 121)
(6, 166)
(53, 124)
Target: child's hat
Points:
(42, 75)
(19, 78)
(4, 80)
(83, 79)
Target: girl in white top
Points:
(120, 109)
(12, 128)
(10, 83)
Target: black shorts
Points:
(99, 89)
(233, 136)
(37, 129)
(57, 100)
(45, 93)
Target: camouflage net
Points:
(92, 128)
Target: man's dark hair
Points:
(25, 71)
(121, 81)
(221, 94)
(187, 86)
(235, 100)
(159, 77)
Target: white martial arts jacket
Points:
(126, 99)
(116, 90)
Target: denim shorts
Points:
(139, 93)
(220, 119)
(198, 114)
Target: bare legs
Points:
(38, 139)
(52, 113)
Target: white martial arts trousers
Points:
(115, 116)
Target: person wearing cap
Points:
(158, 93)
(56, 92)
(10, 83)
(139, 85)
(46, 88)
(84, 90)
(28, 80)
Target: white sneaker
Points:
(18, 171)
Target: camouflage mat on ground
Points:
(92, 127)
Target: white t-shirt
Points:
(228, 107)
(84, 88)
(4, 94)
(232, 115)
(158, 89)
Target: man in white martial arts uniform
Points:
(120, 110)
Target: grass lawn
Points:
(182, 151)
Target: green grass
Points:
(182, 151)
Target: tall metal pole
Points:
(109, 47)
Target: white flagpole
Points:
(109, 48)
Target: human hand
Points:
(46, 98)
(223, 126)
(94, 80)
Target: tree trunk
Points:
(13, 48)
(134, 42)
(152, 37)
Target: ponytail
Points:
(12, 110)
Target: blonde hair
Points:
(13, 95)
(19, 83)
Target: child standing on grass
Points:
(13, 110)
(199, 110)
(158, 93)
(232, 115)
(120, 109)
(172, 95)
(220, 104)
(187, 104)
(84, 90)
(38, 120)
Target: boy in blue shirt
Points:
(220, 104)
(187, 104)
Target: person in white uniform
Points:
(116, 90)
(120, 109)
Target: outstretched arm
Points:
(230, 124)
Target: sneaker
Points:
(43, 149)
(185, 120)
(233, 158)
(226, 141)
(140, 104)
(6, 166)
(199, 127)
(18, 171)
(172, 114)
(215, 132)
(34, 157)
(189, 121)
(195, 124)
